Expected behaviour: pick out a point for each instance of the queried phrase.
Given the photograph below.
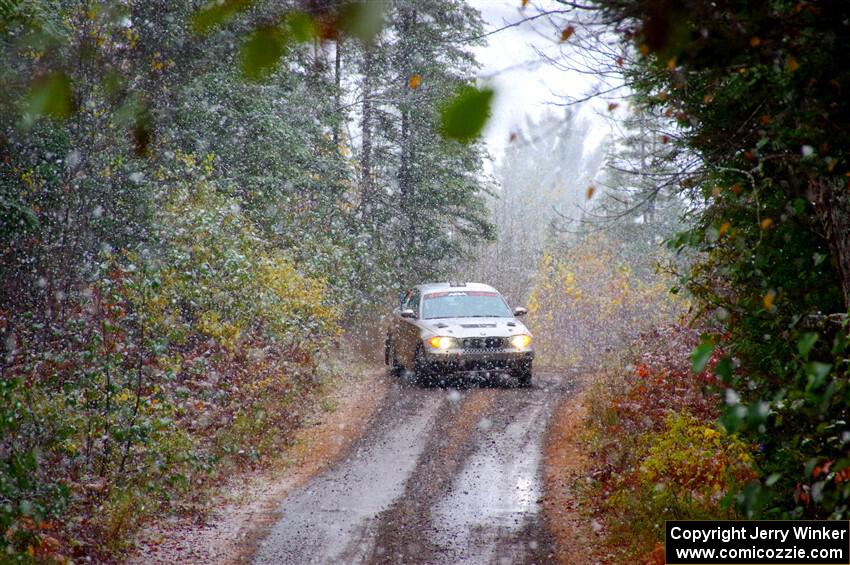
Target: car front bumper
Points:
(478, 361)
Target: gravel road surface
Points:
(440, 476)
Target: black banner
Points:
(757, 542)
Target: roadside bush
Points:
(684, 471)
(657, 450)
(176, 362)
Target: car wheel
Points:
(392, 360)
(523, 374)
(423, 373)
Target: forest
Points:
(207, 209)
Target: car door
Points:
(407, 331)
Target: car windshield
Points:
(464, 304)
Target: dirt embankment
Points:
(577, 535)
(247, 504)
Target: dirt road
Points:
(439, 476)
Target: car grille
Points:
(484, 343)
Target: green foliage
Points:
(51, 96)
(700, 356)
(218, 275)
(216, 13)
(261, 52)
(755, 92)
(362, 19)
(464, 116)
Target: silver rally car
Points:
(443, 329)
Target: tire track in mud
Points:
(440, 476)
(406, 532)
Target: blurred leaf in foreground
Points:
(362, 19)
(51, 96)
(216, 13)
(464, 116)
(301, 26)
(262, 51)
(700, 356)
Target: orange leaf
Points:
(755, 41)
(612, 106)
(724, 227)
(791, 64)
(568, 31)
(524, 3)
(590, 190)
(766, 223)
(768, 298)
(414, 81)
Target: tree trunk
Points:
(405, 178)
(832, 203)
(366, 188)
(338, 83)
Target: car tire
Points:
(423, 373)
(392, 360)
(523, 375)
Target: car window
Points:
(412, 301)
(463, 304)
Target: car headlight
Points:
(442, 342)
(520, 341)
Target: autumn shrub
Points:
(594, 296)
(658, 451)
(176, 362)
(686, 470)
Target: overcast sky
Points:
(525, 86)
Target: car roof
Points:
(459, 286)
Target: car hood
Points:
(474, 327)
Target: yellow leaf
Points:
(524, 3)
(414, 81)
(671, 64)
(567, 33)
(768, 298)
(766, 223)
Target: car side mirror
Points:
(408, 313)
(520, 311)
